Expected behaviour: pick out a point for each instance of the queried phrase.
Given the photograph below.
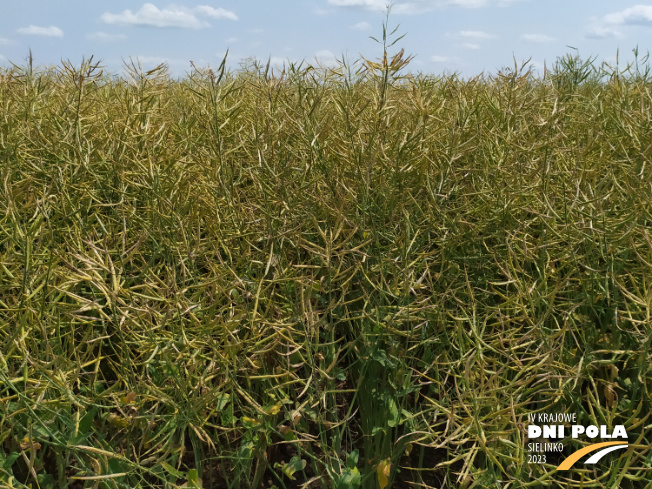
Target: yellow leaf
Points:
(118, 421)
(250, 422)
(272, 410)
(383, 473)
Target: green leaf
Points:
(246, 450)
(7, 461)
(221, 400)
(117, 466)
(352, 459)
(348, 479)
(193, 478)
(296, 464)
(227, 415)
(86, 422)
(172, 471)
(45, 481)
(394, 417)
(381, 357)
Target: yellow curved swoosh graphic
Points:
(570, 460)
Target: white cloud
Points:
(448, 60)
(366, 4)
(482, 3)
(280, 62)
(468, 3)
(470, 45)
(275, 62)
(479, 3)
(215, 13)
(35, 30)
(602, 32)
(636, 15)
(539, 38)
(174, 65)
(475, 35)
(361, 26)
(150, 15)
(104, 37)
(171, 16)
(416, 6)
(537, 65)
(326, 57)
(324, 53)
(231, 40)
(5, 42)
(152, 60)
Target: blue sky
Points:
(465, 36)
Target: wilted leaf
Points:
(27, 444)
(296, 417)
(610, 394)
(129, 398)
